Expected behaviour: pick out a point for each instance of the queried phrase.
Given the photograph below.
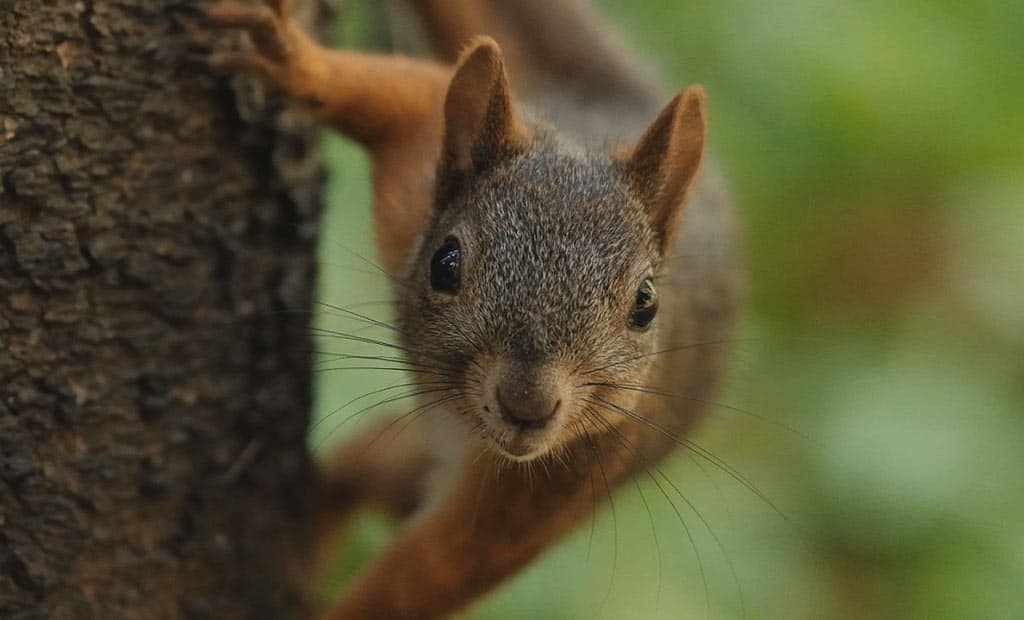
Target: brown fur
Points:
(557, 230)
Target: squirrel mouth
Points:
(521, 445)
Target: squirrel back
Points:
(564, 62)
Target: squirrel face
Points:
(533, 284)
(529, 282)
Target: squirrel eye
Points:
(444, 267)
(645, 307)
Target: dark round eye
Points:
(444, 267)
(645, 307)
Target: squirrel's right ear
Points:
(663, 164)
(480, 124)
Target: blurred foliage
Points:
(876, 151)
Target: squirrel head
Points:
(534, 281)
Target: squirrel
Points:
(559, 263)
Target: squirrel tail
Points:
(549, 45)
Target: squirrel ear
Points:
(663, 164)
(480, 124)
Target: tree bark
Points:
(156, 230)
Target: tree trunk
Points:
(156, 230)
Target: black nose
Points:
(528, 407)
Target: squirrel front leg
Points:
(383, 467)
(372, 98)
(497, 519)
(392, 105)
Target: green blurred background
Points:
(876, 151)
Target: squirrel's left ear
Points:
(663, 164)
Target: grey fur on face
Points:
(554, 247)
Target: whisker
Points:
(591, 447)
(409, 370)
(368, 408)
(329, 333)
(686, 528)
(433, 386)
(657, 545)
(697, 449)
(376, 266)
(683, 347)
(700, 516)
(657, 392)
(424, 407)
(479, 497)
(615, 534)
(714, 536)
(362, 317)
(357, 399)
(267, 313)
(337, 357)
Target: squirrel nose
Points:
(528, 407)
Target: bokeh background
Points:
(876, 151)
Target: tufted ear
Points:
(663, 164)
(479, 122)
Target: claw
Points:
(263, 23)
(241, 14)
(280, 7)
(243, 62)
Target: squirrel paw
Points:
(276, 39)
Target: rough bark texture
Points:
(155, 226)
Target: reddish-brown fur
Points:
(391, 105)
